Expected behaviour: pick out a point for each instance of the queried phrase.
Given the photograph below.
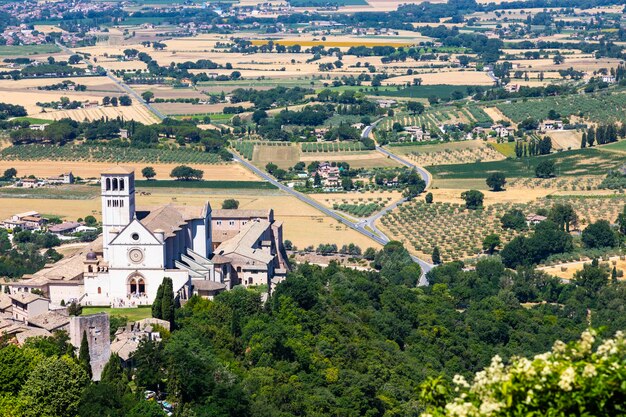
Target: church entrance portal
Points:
(136, 285)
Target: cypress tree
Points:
(167, 300)
(591, 136)
(156, 304)
(614, 274)
(83, 354)
(436, 256)
(112, 371)
(583, 143)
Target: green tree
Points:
(15, 366)
(147, 96)
(148, 173)
(514, 219)
(112, 371)
(271, 167)
(545, 169)
(496, 181)
(436, 257)
(230, 204)
(91, 221)
(599, 235)
(74, 309)
(592, 278)
(473, 199)
(563, 215)
(186, 173)
(54, 388)
(125, 100)
(9, 174)
(167, 302)
(621, 222)
(157, 311)
(146, 409)
(83, 354)
(491, 242)
(429, 198)
(415, 107)
(149, 363)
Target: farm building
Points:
(30, 220)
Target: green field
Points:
(249, 185)
(422, 91)
(21, 50)
(133, 314)
(507, 149)
(31, 120)
(617, 146)
(570, 163)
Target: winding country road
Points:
(119, 83)
(366, 227)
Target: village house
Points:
(38, 126)
(551, 125)
(30, 220)
(65, 228)
(329, 174)
(512, 88)
(29, 183)
(25, 306)
(65, 178)
(127, 338)
(320, 133)
(534, 219)
(609, 79)
(417, 134)
(502, 131)
(386, 103)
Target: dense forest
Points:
(329, 341)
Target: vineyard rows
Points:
(332, 147)
(359, 210)
(601, 108)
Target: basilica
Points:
(203, 251)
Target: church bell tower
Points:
(118, 202)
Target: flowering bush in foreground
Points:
(571, 380)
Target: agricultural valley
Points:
(443, 184)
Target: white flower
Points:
(558, 347)
(529, 396)
(608, 347)
(460, 409)
(589, 371)
(487, 408)
(460, 381)
(586, 341)
(567, 379)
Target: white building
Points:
(126, 265)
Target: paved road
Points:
(370, 222)
(136, 96)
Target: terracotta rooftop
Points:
(170, 218)
(26, 297)
(118, 170)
